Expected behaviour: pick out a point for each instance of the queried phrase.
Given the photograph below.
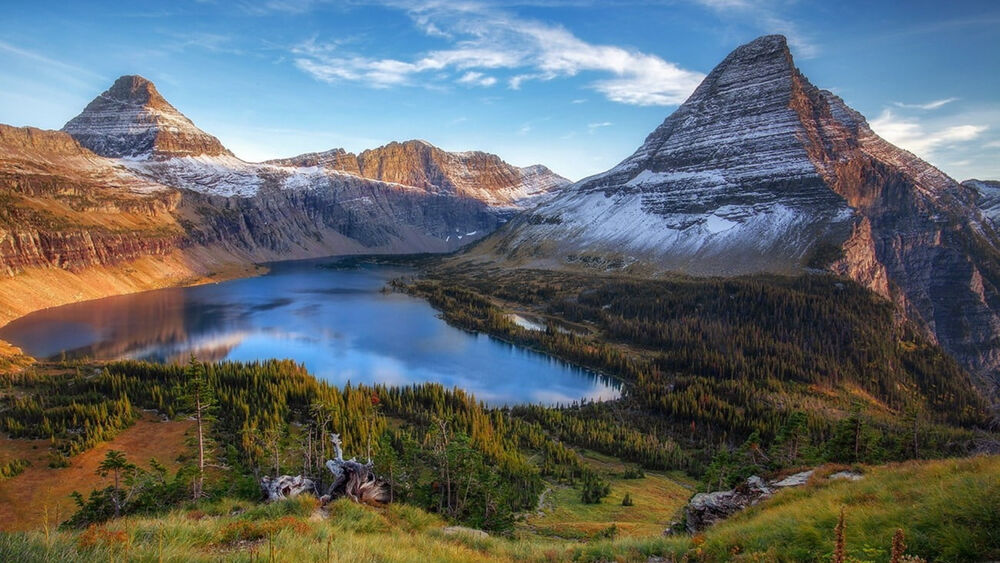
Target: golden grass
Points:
(659, 500)
(947, 509)
(42, 491)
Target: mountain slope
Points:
(472, 174)
(132, 180)
(988, 198)
(760, 171)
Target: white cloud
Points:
(484, 38)
(477, 79)
(911, 135)
(992, 145)
(928, 106)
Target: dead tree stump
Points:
(353, 479)
(286, 486)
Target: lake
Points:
(336, 321)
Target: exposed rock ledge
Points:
(705, 509)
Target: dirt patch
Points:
(25, 499)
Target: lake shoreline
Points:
(177, 270)
(333, 315)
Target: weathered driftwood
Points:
(286, 486)
(353, 479)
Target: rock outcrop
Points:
(760, 171)
(706, 509)
(67, 208)
(987, 198)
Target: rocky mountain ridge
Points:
(418, 163)
(760, 171)
(132, 179)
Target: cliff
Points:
(760, 171)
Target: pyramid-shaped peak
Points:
(758, 59)
(133, 88)
(766, 43)
(131, 119)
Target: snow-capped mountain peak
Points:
(760, 171)
(132, 120)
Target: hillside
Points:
(954, 522)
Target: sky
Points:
(572, 84)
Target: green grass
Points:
(659, 500)
(948, 510)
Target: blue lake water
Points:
(338, 322)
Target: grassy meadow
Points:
(947, 510)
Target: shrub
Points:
(594, 488)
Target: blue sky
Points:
(574, 84)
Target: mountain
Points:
(760, 171)
(472, 174)
(132, 120)
(133, 193)
(988, 198)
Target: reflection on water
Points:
(335, 321)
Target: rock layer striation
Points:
(760, 171)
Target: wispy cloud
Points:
(913, 136)
(928, 106)
(212, 42)
(591, 127)
(477, 79)
(49, 62)
(488, 39)
(992, 145)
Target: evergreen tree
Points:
(200, 399)
(114, 463)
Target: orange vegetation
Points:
(25, 499)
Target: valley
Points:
(523, 367)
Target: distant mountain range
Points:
(760, 171)
(132, 177)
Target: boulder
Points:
(706, 509)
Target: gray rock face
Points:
(988, 198)
(724, 186)
(796, 480)
(760, 171)
(705, 509)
